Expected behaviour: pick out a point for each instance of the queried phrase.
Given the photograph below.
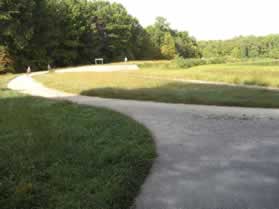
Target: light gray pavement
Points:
(99, 68)
(209, 157)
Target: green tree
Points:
(68, 32)
(241, 47)
(158, 30)
(186, 46)
(168, 49)
(156, 34)
(16, 26)
(236, 53)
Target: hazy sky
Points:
(210, 19)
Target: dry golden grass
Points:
(129, 85)
(249, 74)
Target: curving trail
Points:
(209, 157)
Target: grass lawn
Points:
(130, 85)
(258, 73)
(60, 155)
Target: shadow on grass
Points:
(4, 89)
(61, 155)
(186, 93)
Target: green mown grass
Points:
(60, 155)
(131, 85)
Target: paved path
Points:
(99, 68)
(209, 157)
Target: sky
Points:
(210, 19)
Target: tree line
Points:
(66, 32)
(61, 33)
(73, 32)
(166, 43)
(242, 47)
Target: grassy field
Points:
(130, 85)
(60, 155)
(250, 73)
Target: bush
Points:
(217, 60)
(159, 65)
(187, 63)
(181, 62)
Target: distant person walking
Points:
(49, 67)
(126, 59)
(28, 70)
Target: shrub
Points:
(217, 60)
(158, 64)
(181, 62)
(187, 63)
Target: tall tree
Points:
(17, 26)
(186, 46)
(168, 49)
(68, 32)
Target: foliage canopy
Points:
(73, 32)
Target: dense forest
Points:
(73, 32)
(66, 32)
